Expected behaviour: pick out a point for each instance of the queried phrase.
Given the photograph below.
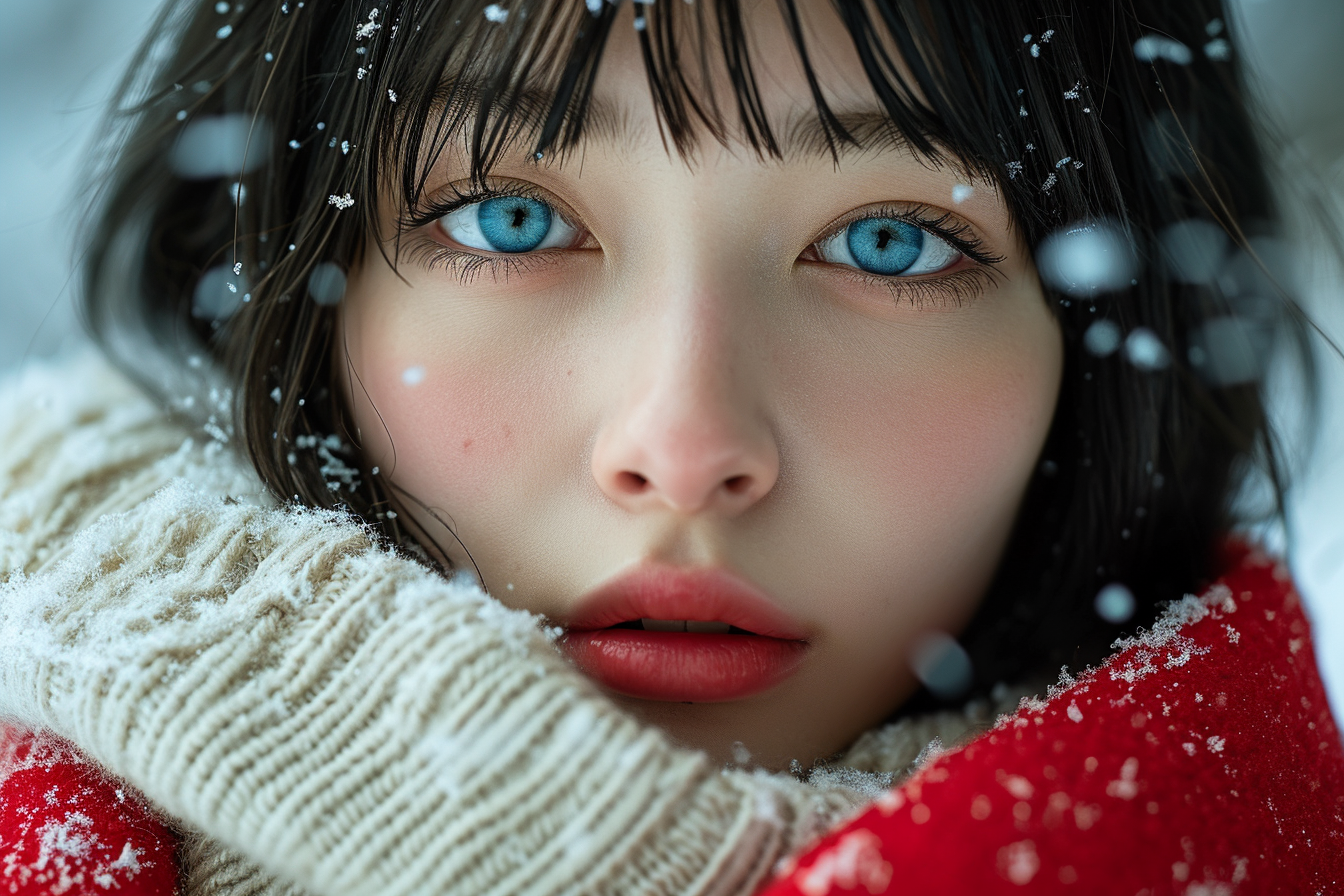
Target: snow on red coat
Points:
(65, 828)
(1201, 759)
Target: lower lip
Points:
(685, 667)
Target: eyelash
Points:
(956, 288)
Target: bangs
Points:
(493, 81)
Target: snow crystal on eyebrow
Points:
(1152, 47)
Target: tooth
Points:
(708, 628)
(663, 625)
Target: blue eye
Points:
(889, 247)
(509, 224)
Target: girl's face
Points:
(800, 398)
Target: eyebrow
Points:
(802, 137)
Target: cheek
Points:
(443, 420)
(932, 448)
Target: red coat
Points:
(1200, 761)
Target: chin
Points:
(773, 737)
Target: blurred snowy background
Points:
(59, 61)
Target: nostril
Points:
(736, 485)
(631, 483)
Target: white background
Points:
(59, 61)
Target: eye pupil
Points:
(884, 245)
(514, 223)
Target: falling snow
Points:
(1152, 47)
(1101, 339)
(1115, 602)
(1145, 350)
(1087, 258)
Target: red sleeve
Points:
(66, 828)
(1202, 762)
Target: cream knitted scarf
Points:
(322, 715)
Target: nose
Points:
(688, 432)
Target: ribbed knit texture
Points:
(320, 707)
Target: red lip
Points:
(683, 666)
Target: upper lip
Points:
(659, 591)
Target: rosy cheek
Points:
(435, 427)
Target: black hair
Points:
(1127, 116)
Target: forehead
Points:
(784, 80)
(622, 112)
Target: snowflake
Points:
(369, 28)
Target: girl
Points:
(797, 367)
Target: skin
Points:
(692, 384)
